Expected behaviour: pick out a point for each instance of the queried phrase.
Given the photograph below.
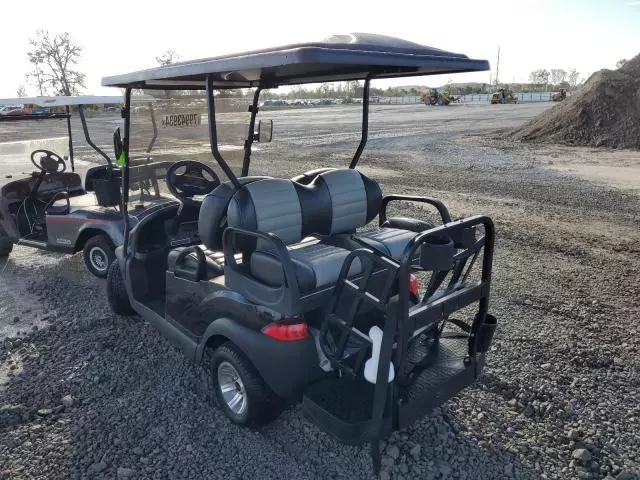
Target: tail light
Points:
(414, 284)
(287, 332)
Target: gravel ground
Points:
(86, 394)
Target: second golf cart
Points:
(287, 290)
(50, 208)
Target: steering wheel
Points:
(49, 162)
(188, 178)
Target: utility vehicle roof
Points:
(340, 57)
(63, 101)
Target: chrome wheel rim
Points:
(98, 258)
(232, 388)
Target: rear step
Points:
(343, 406)
(431, 363)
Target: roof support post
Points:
(73, 169)
(87, 137)
(365, 123)
(126, 115)
(213, 133)
(251, 133)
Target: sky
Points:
(119, 36)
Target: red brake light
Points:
(414, 284)
(287, 332)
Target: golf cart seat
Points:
(212, 221)
(269, 222)
(355, 200)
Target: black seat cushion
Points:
(215, 261)
(316, 265)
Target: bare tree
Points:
(558, 75)
(573, 77)
(21, 91)
(167, 58)
(621, 62)
(54, 59)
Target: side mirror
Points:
(118, 147)
(265, 131)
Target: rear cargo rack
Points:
(430, 364)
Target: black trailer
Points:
(51, 209)
(277, 285)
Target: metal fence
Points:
(469, 98)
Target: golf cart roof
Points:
(338, 58)
(63, 101)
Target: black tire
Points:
(117, 292)
(5, 248)
(99, 253)
(6, 245)
(262, 404)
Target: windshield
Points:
(174, 127)
(19, 138)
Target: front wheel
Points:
(98, 254)
(117, 292)
(240, 390)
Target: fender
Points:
(287, 367)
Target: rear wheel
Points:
(240, 390)
(117, 292)
(6, 245)
(98, 254)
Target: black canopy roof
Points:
(337, 58)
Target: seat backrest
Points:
(352, 199)
(337, 201)
(212, 219)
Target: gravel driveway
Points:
(86, 394)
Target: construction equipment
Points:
(559, 96)
(503, 95)
(437, 98)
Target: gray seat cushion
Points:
(316, 265)
(388, 241)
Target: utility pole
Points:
(498, 66)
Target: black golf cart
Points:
(285, 287)
(50, 208)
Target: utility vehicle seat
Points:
(354, 200)
(212, 220)
(276, 206)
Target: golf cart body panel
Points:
(293, 274)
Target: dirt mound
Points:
(605, 111)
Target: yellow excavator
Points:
(503, 95)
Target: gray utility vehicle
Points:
(50, 208)
(277, 286)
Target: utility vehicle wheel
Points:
(240, 391)
(6, 245)
(98, 255)
(117, 292)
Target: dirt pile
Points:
(605, 111)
